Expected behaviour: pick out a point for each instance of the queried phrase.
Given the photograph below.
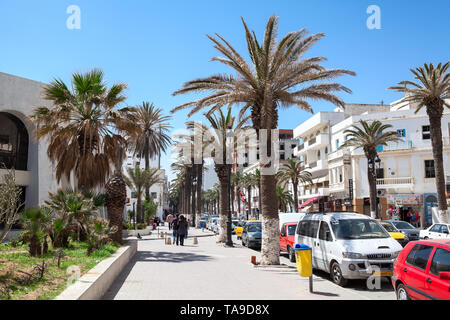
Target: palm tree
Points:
(138, 180)
(84, 127)
(278, 76)
(369, 137)
(293, 171)
(431, 92)
(236, 180)
(152, 134)
(35, 222)
(248, 182)
(284, 198)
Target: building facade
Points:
(405, 172)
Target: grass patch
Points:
(16, 266)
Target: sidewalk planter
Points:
(96, 282)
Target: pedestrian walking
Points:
(174, 227)
(181, 230)
(169, 219)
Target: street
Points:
(210, 271)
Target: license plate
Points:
(383, 274)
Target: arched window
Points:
(13, 142)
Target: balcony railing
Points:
(312, 141)
(401, 145)
(392, 181)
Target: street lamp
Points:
(373, 166)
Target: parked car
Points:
(422, 271)
(436, 231)
(212, 222)
(348, 245)
(252, 234)
(395, 233)
(406, 228)
(287, 239)
(240, 227)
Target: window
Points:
(325, 232)
(293, 146)
(154, 195)
(444, 229)
(283, 231)
(352, 229)
(440, 262)
(312, 229)
(429, 169)
(282, 156)
(418, 257)
(326, 150)
(436, 228)
(291, 229)
(401, 132)
(281, 146)
(302, 228)
(426, 133)
(318, 155)
(337, 144)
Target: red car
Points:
(422, 271)
(287, 239)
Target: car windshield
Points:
(403, 225)
(389, 227)
(350, 229)
(291, 229)
(254, 227)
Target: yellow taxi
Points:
(395, 233)
(240, 226)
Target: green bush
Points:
(141, 226)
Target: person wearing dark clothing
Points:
(174, 227)
(181, 230)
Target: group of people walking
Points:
(180, 227)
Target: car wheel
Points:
(402, 294)
(291, 254)
(243, 242)
(426, 238)
(336, 275)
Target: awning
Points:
(308, 202)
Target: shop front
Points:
(404, 207)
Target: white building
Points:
(19, 148)
(405, 175)
(159, 191)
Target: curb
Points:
(96, 282)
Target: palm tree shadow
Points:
(149, 256)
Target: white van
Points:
(347, 245)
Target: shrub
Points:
(141, 226)
(99, 234)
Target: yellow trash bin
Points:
(303, 258)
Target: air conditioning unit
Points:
(381, 193)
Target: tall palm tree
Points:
(84, 126)
(284, 198)
(294, 172)
(222, 124)
(431, 92)
(368, 137)
(278, 76)
(236, 181)
(248, 182)
(152, 136)
(139, 180)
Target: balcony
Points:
(342, 153)
(397, 182)
(395, 146)
(315, 143)
(317, 192)
(317, 165)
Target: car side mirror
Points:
(445, 231)
(444, 276)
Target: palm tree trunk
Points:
(147, 167)
(270, 247)
(259, 200)
(239, 201)
(372, 188)
(436, 142)
(139, 215)
(233, 196)
(295, 184)
(199, 195)
(249, 212)
(222, 173)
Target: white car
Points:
(348, 245)
(211, 223)
(436, 231)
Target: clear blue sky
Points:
(155, 46)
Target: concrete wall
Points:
(19, 96)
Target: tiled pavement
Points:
(213, 272)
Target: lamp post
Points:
(373, 165)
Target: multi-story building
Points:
(159, 191)
(405, 172)
(286, 146)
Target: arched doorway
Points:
(13, 144)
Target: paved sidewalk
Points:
(210, 271)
